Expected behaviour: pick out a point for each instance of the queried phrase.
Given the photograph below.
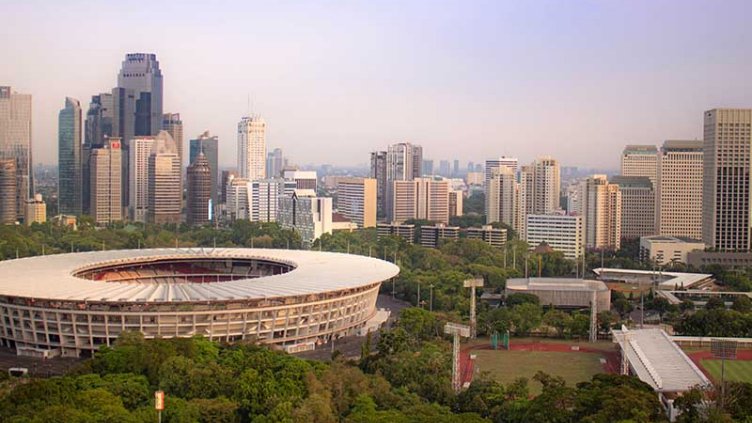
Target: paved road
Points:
(37, 366)
(350, 346)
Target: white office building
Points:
(562, 233)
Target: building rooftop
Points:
(53, 277)
(664, 279)
(672, 239)
(658, 361)
(555, 284)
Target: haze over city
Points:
(577, 81)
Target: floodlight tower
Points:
(625, 344)
(593, 317)
(472, 284)
(456, 330)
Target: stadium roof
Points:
(658, 361)
(666, 279)
(52, 277)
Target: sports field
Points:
(554, 358)
(736, 371)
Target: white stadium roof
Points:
(658, 361)
(52, 277)
(666, 279)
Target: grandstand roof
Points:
(658, 361)
(52, 277)
(555, 284)
(666, 279)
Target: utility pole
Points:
(418, 302)
(472, 284)
(431, 297)
(594, 317)
(456, 330)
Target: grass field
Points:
(736, 371)
(506, 366)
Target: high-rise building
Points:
(546, 185)
(445, 168)
(601, 212)
(69, 158)
(501, 197)
(420, 198)
(491, 164)
(165, 194)
(404, 162)
(226, 177)
(172, 123)
(727, 156)
(252, 148)
(15, 142)
(139, 150)
(106, 167)
(200, 207)
(640, 160)
(560, 232)
(637, 206)
(679, 190)
(455, 203)
(98, 127)
(378, 172)
(8, 191)
(137, 105)
(427, 167)
(304, 179)
(356, 200)
(238, 195)
(209, 145)
(305, 213)
(36, 210)
(264, 199)
(456, 168)
(275, 162)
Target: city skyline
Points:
(498, 79)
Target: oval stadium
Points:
(71, 304)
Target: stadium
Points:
(71, 304)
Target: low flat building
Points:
(563, 292)
(723, 259)
(396, 229)
(494, 237)
(662, 250)
(341, 223)
(431, 235)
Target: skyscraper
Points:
(69, 158)
(601, 212)
(15, 142)
(99, 121)
(420, 198)
(275, 162)
(679, 190)
(640, 160)
(491, 166)
(139, 150)
(199, 210)
(106, 170)
(378, 172)
(502, 197)
(137, 104)
(8, 191)
(637, 205)
(172, 123)
(404, 162)
(210, 146)
(165, 193)
(547, 185)
(252, 148)
(727, 155)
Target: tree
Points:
(742, 304)
(715, 303)
(623, 307)
(526, 317)
(557, 319)
(661, 305)
(518, 298)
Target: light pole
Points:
(430, 304)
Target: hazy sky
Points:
(337, 79)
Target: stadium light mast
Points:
(472, 284)
(456, 330)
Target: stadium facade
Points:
(71, 304)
